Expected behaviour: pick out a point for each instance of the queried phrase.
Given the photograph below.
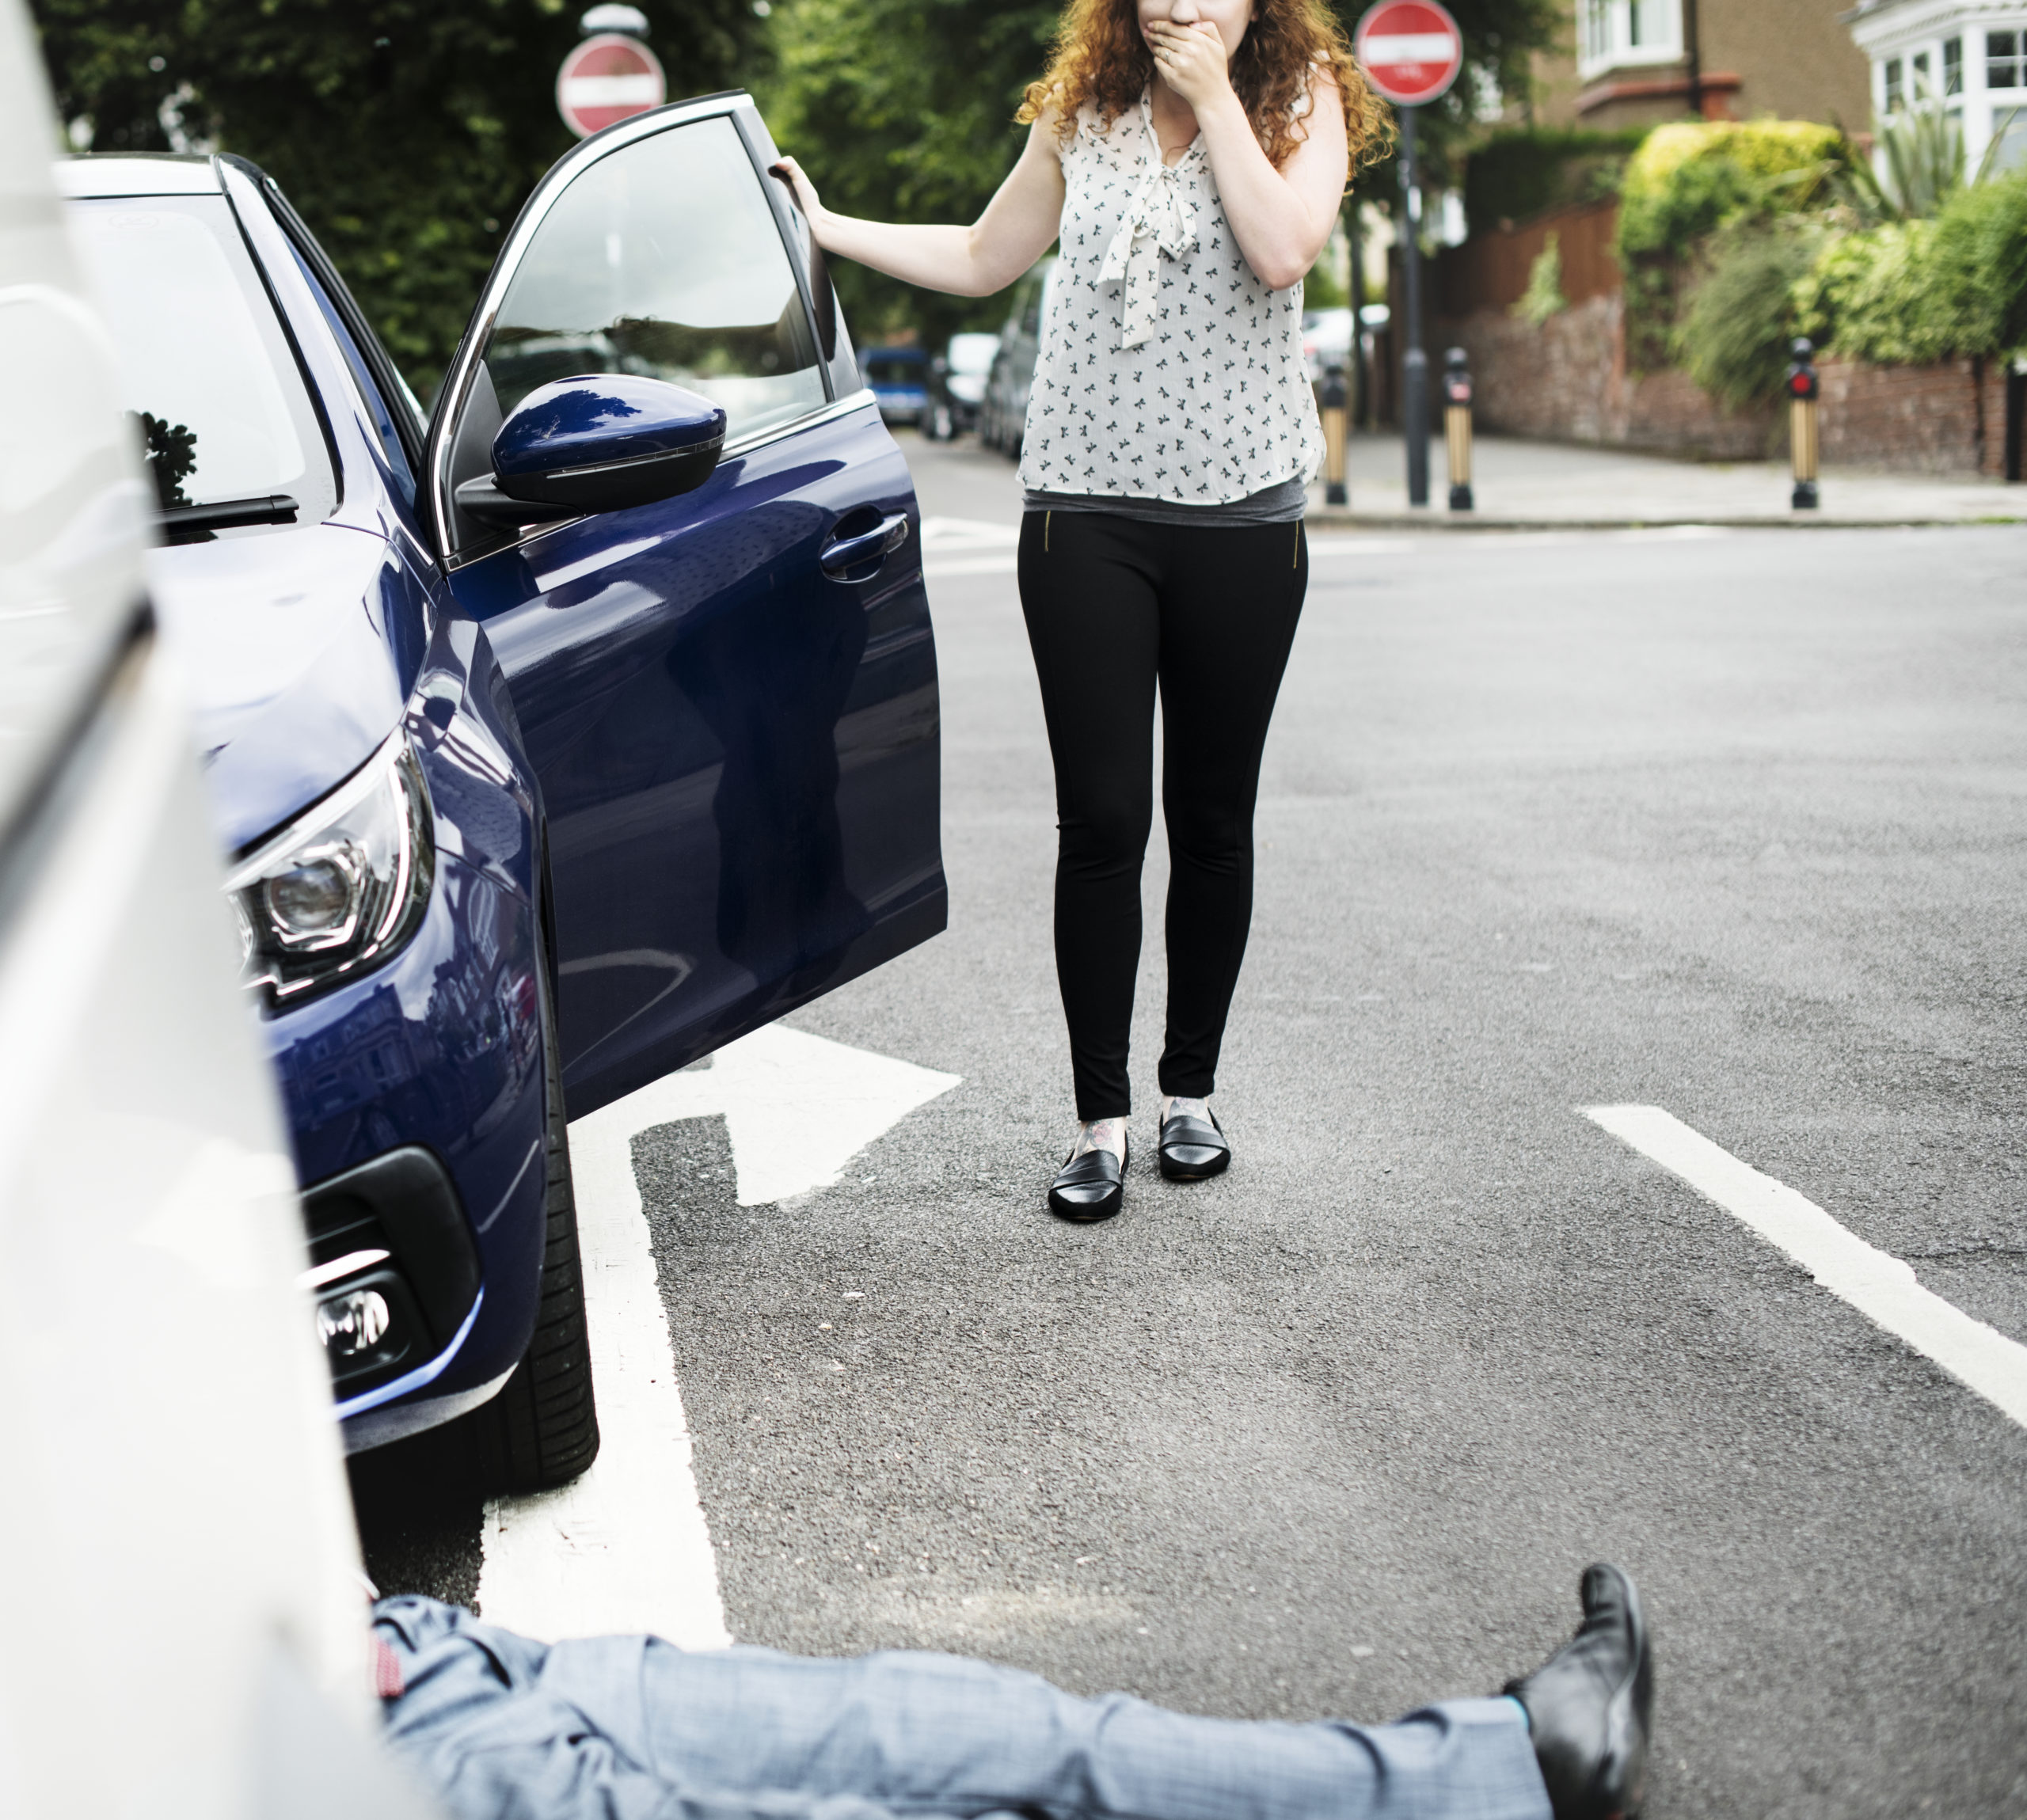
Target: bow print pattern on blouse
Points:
(1161, 219)
(1212, 405)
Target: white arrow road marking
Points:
(1879, 1285)
(625, 1548)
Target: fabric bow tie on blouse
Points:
(1161, 219)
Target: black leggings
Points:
(1113, 605)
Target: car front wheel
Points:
(543, 1428)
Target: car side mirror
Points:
(596, 443)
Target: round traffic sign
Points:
(606, 78)
(1410, 49)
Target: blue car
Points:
(557, 738)
(900, 379)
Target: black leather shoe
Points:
(1192, 1148)
(1088, 1188)
(1591, 1705)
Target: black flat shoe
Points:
(1591, 1705)
(1088, 1188)
(1192, 1148)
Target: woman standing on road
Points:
(1191, 155)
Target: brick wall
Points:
(1566, 382)
(1921, 419)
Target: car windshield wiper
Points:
(222, 514)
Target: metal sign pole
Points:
(1414, 362)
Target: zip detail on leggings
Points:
(1294, 562)
(1046, 517)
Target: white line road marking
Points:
(932, 569)
(961, 537)
(626, 1547)
(1879, 1285)
(968, 533)
(1327, 545)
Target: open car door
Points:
(729, 696)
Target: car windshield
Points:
(219, 402)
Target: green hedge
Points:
(1517, 175)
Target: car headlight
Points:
(342, 887)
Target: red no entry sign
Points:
(608, 78)
(1410, 49)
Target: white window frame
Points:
(1607, 31)
(1902, 30)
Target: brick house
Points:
(1632, 63)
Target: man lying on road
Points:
(624, 1728)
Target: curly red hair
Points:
(1100, 60)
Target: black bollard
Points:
(1335, 492)
(1802, 388)
(1457, 427)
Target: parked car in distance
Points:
(1003, 413)
(956, 384)
(557, 740)
(180, 1544)
(1326, 342)
(900, 379)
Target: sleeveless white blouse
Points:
(1167, 369)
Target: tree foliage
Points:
(408, 132)
(1522, 172)
(1500, 39)
(902, 110)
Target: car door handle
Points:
(871, 546)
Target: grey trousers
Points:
(623, 1728)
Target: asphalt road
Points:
(1732, 824)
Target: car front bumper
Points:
(437, 1056)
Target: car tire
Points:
(543, 1428)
